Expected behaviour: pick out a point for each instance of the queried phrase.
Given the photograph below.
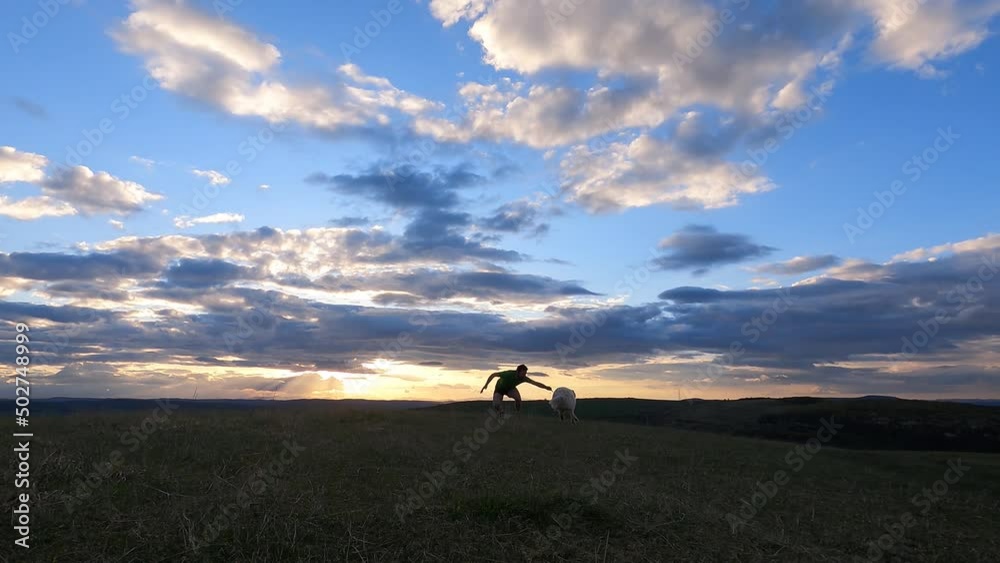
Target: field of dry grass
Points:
(314, 485)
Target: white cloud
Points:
(915, 35)
(793, 95)
(17, 166)
(146, 162)
(650, 65)
(627, 37)
(647, 61)
(116, 224)
(31, 208)
(647, 171)
(215, 178)
(67, 191)
(264, 187)
(185, 222)
(799, 265)
(651, 61)
(450, 11)
(98, 192)
(199, 55)
(198, 32)
(312, 252)
(990, 242)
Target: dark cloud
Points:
(502, 283)
(433, 235)
(403, 187)
(396, 298)
(820, 333)
(425, 286)
(711, 135)
(77, 267)
(799, 265)
(506, 169)
(834, 320)
(199, 273)
(700, 247)
(29, 107)
(516, 217)
(438, 234)
(17, 312)
(436, 229)
(86, 289)
(350, 222)
(689, 294)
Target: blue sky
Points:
(506, 171)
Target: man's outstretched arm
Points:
(487, 384)
(537, 384)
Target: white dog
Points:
(564, 402)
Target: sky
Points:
(393, 199)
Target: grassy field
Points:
(309, 484)
(881, 423)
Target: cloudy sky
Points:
(392, 199)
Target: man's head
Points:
(522, 369)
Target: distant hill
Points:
(884, 423)
(981, 402)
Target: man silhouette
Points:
(507, 385)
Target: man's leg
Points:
(498, 402)
(514, 394)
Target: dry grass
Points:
(337, 500)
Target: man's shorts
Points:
(498, 396)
